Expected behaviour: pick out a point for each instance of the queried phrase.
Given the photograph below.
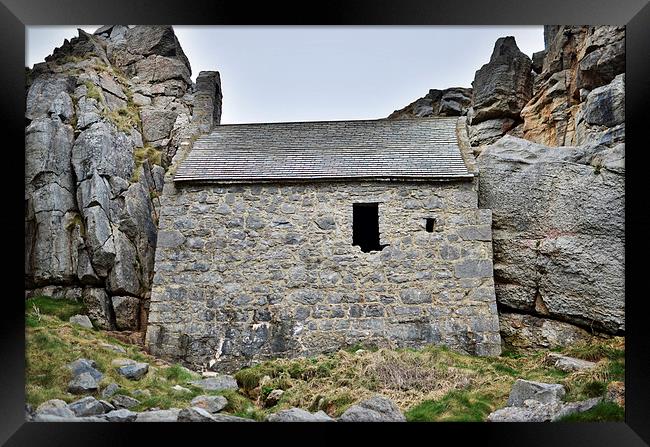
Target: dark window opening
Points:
(365, 226)
(430, 222)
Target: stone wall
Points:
(247, 272)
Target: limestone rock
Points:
(576, 407)
(103, 149)
(529, 411)
(326, 223)
(558, 230)
(81, 366)
(577, 59)
(524, 390)
(211, 404)
(228, 418)
(51, 404)
(62, 107)
(170, 415)
(374, 409)
(133, 371)
(603, 109)
(49, 204)
(53, 412)
(522, 331)
(110, 390)
(535, 411)
(107, 406)
(157, 40)
(121, 415)
(194, 414)
(568, 364)
(452, 101)
(157, 124)
(221, 382)
(298, 415)
(80, 46)
(44, 91)
(127, 312)
(81, 320)
(88, 406)
(503, 86)
(489, 131)
(88, 112)
(124, 278)
(83, 383)
(97, 302)
(157, 68)
(122, 401)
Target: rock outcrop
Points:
(502, 87)
(577, 60)
(105, 113)
(538, 402)
(558, 218)
(454, 101)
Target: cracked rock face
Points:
(454, 101)
(558, 230)
(503, 86)
(501, 89)
(95, 162)
(577, 60)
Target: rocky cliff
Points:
(448, 102)
(105, 114)
(548, 133)
(576, 62)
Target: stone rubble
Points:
(538, 402)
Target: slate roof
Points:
(409, 149)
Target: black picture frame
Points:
(635, 14)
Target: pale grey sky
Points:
(308, 73)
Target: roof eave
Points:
(432, 179)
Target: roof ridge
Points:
(392, 121)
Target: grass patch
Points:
(125, 119)
(505, 369)
(612, 349)
(142, 154)
(604, 411)
(94, 92)
(60, 308)
(178, 373)
(150, 153)
(456, 406)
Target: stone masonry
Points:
(248, 272)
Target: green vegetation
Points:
(125, 119)
(60, 308)
(69, 59)
(140, 154)
(429, 384)
(76, 221)
(52, 343)
(458, 406)
(149, 153)
(603, 411)
(94, 92)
